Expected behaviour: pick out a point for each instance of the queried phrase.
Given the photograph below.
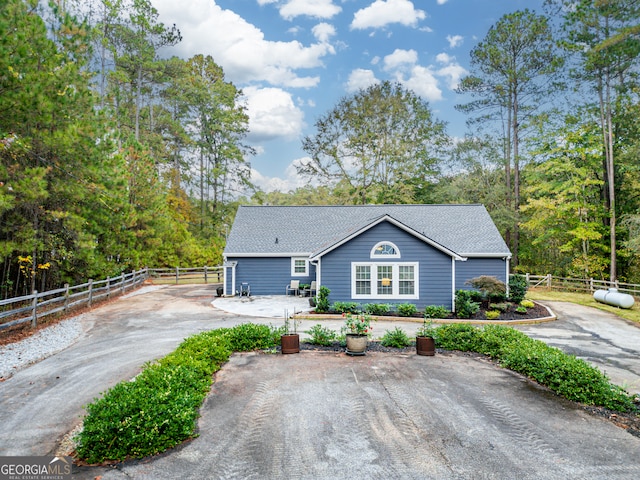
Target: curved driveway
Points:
(319, 415)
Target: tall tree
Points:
(374, 144)
(512, 76)
(602, 34)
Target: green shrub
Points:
(465, 306)
(436, 311)
(492, 314)
(396, 338)
(346, 307)
(527, 304)
(322, 300)
(321, 335)
(517, 288)
(522, 310)
(407, 309)
(376, 308)
(571, 377)
(159, 408)
(458, 336)
(502, 307)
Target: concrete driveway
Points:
(316, 415)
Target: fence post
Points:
(548, 280)
(206, 279)
(591, 285)
(66, 297)
(90, 299)
(108, 287)
(122, 283)
(34, 304)
(177, 274)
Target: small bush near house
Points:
(376, 308)
(502, 307)
(488, 285)
(321, 335)
(518, 287)
(527, 304)
(465, 306)
(322, 300)
(521, 310)
(345, 307)
(407, 309)
(492, 314)
(395, 338)
(436, 311)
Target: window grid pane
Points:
(407, 282)
(385, 280)
(300, 266)
(363, 280)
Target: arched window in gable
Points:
(385, 250)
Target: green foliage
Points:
(426, 329)
(407, 309)
(396, 338)
(322, 300)
(501, 307)
(436, 311)
(465, 306)
(571, 377)
(159, 408)
(527, 304)
(376, 308)
(518, 287)
(521, 309)
(492, 314)
(345, 307)
(359, 324)
(321, 335)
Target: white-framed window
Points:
(388, 280)
(299, 267)
(385, 250)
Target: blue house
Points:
(419, 254)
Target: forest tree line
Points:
(113, 158)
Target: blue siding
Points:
(474, 267)
(266, 276)
(434, 266)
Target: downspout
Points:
(318, 274)
(453, 284)
(506, 261)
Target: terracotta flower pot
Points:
(356, 344)
(290, 343)
(425, 346)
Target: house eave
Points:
(267, 254)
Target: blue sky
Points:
(295, 59)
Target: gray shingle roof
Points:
(301, 230)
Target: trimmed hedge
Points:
(567, 375)
(159, 408)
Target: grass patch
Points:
(567, 375)
(159, 408)
(632, 314)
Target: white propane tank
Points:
(613, 297)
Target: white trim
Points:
(505, 256)
(395, 282)
(268, 255)
(293, 267)
(379, 256)
(507, 276)
(453, 284)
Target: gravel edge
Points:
(48, 341)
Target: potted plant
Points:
(357, 329)
(290, 340)
(425, 343)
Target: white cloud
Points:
(360, 78)
(455, 40)
(440, 2)
(272, 114)
(400, 58)
(423, 82)
(451, 70)
(238, 46)
(290, 182)
(323, 32)
(311, 8)
(384, 12)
